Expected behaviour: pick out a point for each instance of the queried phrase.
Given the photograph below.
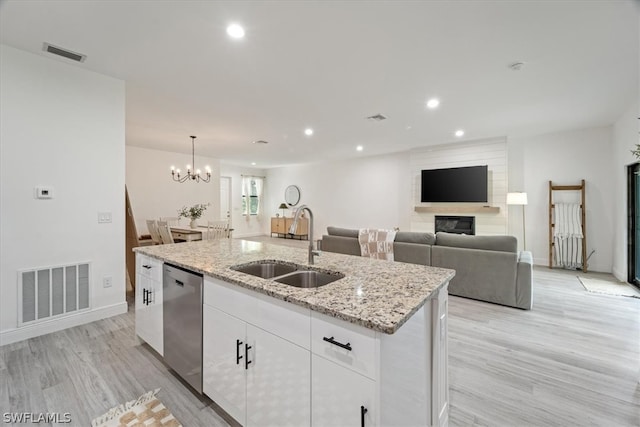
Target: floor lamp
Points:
(519, 198)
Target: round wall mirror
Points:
(292, 195)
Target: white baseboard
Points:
(18, 334)
(240, 236)
(620, 275)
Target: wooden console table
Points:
(280, 226)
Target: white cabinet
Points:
(270, 363)
(258, 377)
(278, 381)
(223, 370)
(341, 397)
(148, 301)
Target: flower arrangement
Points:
(636, 152)
(194, 212)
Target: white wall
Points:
(625, 137)
(245, 226)
(566, 158)
(63, 127)
(355, 193)
(154, 194)
(492, 153)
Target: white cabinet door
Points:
(223, 364)
(156, 332)
(278, 381)
(143, 319)
(341, 397)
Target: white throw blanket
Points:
(567, 235)
(376, 243)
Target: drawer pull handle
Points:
(363, 411)
(147, 266)
(238, 355)
(346, 346)
(247, 347)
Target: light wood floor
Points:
(571, 361)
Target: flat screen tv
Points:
(466, 184)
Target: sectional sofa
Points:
(488, 268)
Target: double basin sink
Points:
(289, 273)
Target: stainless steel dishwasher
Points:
(182, 324)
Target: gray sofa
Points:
(488, 268)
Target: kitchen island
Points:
(367, 349)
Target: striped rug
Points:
(145, 411)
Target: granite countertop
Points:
(378, 295)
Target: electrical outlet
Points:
(107, 281)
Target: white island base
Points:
(267, 362)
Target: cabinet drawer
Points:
(280, 318)
(362, 343)
(149, 267)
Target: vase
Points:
(193, 224)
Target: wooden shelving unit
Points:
(456, 209)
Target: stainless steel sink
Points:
(266, 269)
(308, 278)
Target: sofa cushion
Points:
(415, 237)
(340, 244)
(343, 232)
(413, 253)
(489, 243)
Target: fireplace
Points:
(456, 224)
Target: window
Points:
(251, 195)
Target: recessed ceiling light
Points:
(359, 148)
(253, 163)
(235, 31)
(433, 103)
(308, 131)
(459, 133)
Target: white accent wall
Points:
(245, 226)
(566, 158)
(356, 193)
(63, 127)
(625, 138)
(492, 153)
(154, 194)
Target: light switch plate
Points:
(107, 282)
(104, 217)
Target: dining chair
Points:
(165, 232)
(217, 230)
(171, 220)
(152, 226)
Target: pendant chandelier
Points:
(191, 175)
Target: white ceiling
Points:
(329, 65)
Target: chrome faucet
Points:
(294, 226)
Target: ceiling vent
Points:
(260, 141)
(78, 57)
(377, 118)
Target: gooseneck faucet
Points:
(294, 226)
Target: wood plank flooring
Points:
(571, 361)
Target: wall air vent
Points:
(78, 57)
(377, 117)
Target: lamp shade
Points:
(519, 198)
(283, 206)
